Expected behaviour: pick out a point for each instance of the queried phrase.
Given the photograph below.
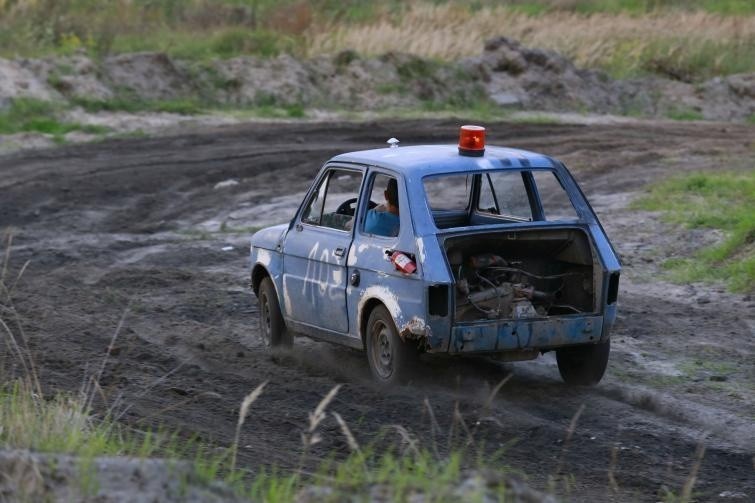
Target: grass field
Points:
(723, 201)
(686, 40)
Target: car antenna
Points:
(393, 142)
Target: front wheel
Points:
(391, 359)
(583, 365)
(272, 327)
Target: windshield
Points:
(482, 198)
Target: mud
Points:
(148, 228)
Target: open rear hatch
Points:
(516, 274)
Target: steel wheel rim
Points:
(382, 350)
(266, 320)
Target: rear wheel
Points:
(391, 359)
(583, 365)
(272, 327)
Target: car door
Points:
(315, 252)
(371, 273)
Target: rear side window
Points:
(553, 197)
(504, 193)
(449, 192)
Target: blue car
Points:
(463, 249)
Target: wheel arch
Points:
(259, 272)
(364, 317)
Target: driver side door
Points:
(315, 252)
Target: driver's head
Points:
(391, 192)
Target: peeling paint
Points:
(264, 257)
(337, 275)
(416, 329)
(287, 299)
(421, 250)
(384, 295)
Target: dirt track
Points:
(140, 223)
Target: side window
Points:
(487, 202)
(313, 212)
(382, 217)
(504, 193)
(334, 201)
(553, 197)
(448, 192)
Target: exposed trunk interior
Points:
(522, 274)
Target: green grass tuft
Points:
(27, 115)
(720, 200)
(121, 104)
(684, 114)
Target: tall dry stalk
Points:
(485, 414)
(350, 439)
(23, 353)
(95, 381)
(567, 438)
(409, 443)
(689, 484)
(243, 411)
(311, 436)
(434, 426)
(612, 469)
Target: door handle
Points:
(338, 252)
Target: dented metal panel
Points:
(505, 335)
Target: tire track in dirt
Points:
(138, 222)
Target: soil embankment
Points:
(506, 74)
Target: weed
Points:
(133, 105)
(32, 115)
(721, 200)
(684, 114)
(243, 412)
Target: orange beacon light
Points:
(472, 141)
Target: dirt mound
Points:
(506, 73)
(16, 81)
(540, 79)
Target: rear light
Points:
(613, 289)
(472, 141)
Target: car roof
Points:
(424, 160)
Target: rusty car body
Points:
(511, 261)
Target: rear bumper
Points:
(538, 333)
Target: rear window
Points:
(481, 198)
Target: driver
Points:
(383, 220)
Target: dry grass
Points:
(621, 43)
(626, 38)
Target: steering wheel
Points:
(348, 207)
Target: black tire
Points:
(391, 359)
(272, 327)
(583, 365)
